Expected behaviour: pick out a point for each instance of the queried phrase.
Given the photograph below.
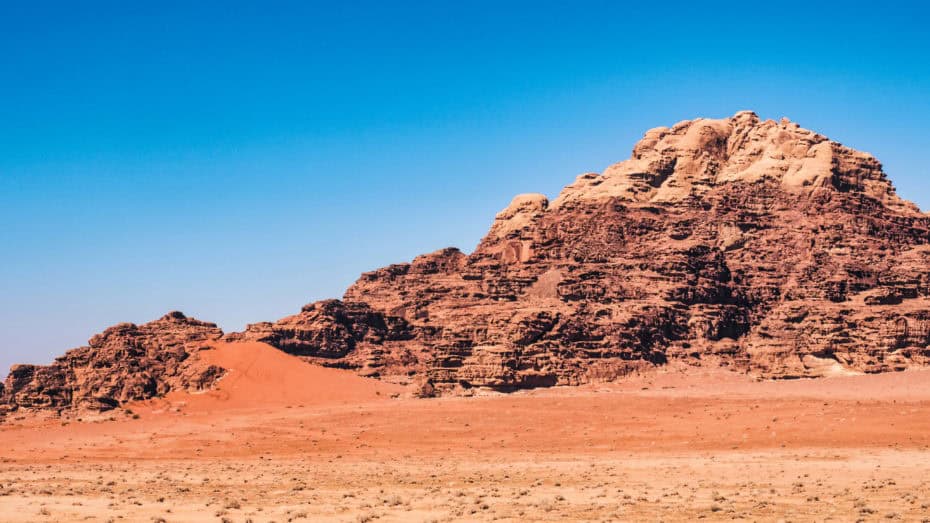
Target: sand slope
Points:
(259, 375)
(282, 440)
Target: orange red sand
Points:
(260, 375)
(284, 440)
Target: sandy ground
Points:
(281, 440)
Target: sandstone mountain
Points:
(752, 244)
(756, 245)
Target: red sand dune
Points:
(259, 375)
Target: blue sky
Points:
(236, 160)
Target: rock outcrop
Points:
(752, 244)
(755, 245)
(337, 334)
(124, 363)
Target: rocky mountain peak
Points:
(693, 156)
(747, 243)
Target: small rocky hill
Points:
(126, 362)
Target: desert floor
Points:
(285, 441)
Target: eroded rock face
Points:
(337, 334)
(756, 245)
(753, 244)
(124, 363)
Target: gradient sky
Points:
(237, 160)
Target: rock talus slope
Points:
(752, 244)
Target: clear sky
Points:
(237, 160)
